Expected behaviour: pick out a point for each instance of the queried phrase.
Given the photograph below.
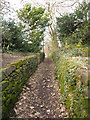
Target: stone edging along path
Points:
(41, 95)
(14, 77)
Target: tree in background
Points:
(5, 9)
(34, 20)
(54, 8)
(12, 37)
(74, 25)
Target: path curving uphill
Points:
(41, 95)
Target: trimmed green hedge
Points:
(13, 79)
(72, 86)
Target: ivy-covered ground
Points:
(71, 70)
(41, 95)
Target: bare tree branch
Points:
(71, 4)
(59, 13)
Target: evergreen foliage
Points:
(73, 28)
(34, 20)
(12, 37)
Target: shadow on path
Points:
(41, 96)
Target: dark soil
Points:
(41, 95)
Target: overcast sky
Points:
(17, 4)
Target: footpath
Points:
(41, 95)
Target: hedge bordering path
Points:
(40, 96)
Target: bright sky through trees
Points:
(17, 4)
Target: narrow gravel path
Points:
(41, 95)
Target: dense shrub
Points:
(73, 28)
(12, 37)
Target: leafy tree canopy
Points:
(34, 20)
(12, 37)
(74, 25)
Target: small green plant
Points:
(71, 86)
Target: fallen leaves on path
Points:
(40, 96)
